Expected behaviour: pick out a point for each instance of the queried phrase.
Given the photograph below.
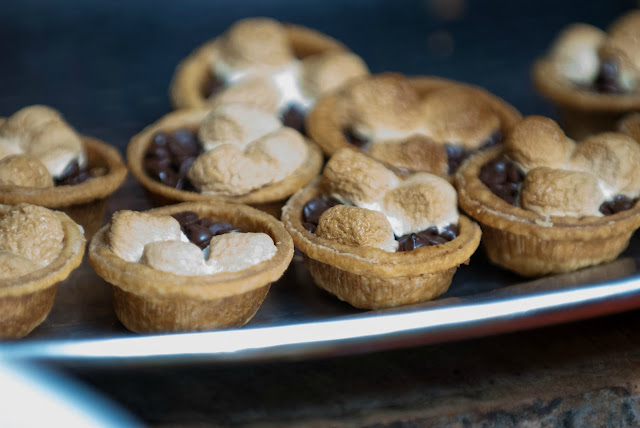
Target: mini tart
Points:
(25, 301)
(85, 203)
(371, 278)
(326, 122)
(583, 111)
(269, 198)
(147, 300)
(531, 244)
(194, 72)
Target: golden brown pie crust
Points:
(148, 300)
(25, 301)
(327, 121)
(531, 244)
(194, 71)
(85, 203)
(269, 198)
(371, 278)
(583, 111)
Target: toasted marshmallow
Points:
(39, 131)
(130, 231)
(326, 72)
(538, 141)
(182, 258)
(256, 91)
(416, 153)
(232, 252)
(14, 265)
(32, 232)
(357, 227)
(228, 170)
(557, 192)
(23, 170)
(28, 121)
(285, 148)
(236, 124)
(419, 202)
(614, 159)
(575, 53)
(252, 46)
(354, 178)
(383, 107)
(458, 116)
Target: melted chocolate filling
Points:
(73, 174)
(456, 153)
(314, 208)
(293, 116)
(607, 80)
(201, 230)
(212, 86)
(170, 155)
(503, 177)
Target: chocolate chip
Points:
(427, 237)
(313, 209)
(185, 218)
(353, 138)
(158, 151)
(160, 139)
(199, 235)
(293, 117)
(449, 232)
(220, 228)
(168, 177)
(607, 80)
(618, 204)
(311, 228)
(212, 86)
(456, 154)
(503, 178)
(73, 174)
(205, 221)
(494, 139)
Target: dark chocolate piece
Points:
(353, 138)
(607, 80)
(618, 204)
(293, 116)
(73, 174)
(503, 178)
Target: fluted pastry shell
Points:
(193, 72)
(148, 300)
(531, 244)
(327, 121)
(269, 198)
(26, 300)
(371, 278)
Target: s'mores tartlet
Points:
(377, 239)
(192, 266)
(43, 161)
(547, 204)
(593, 76)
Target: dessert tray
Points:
(299, 320)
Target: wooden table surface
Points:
(107, 66)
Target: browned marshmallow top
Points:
(583, 54)
(255, 61)
(409, 204)
(245, 149)
(158, 242)
(568, 178)
(47, 145)
(31, 237)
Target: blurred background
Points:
(106, 65)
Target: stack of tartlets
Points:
(593, 76)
